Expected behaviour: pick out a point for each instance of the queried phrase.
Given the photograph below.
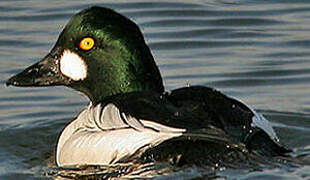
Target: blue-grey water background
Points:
(257, 51)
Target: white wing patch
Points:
(104, 135)
(73, 66)
(258, 120)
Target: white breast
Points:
(103, 135)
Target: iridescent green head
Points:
(100, 53)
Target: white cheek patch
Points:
(73, 66)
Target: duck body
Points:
(125, 126)
(103, 55)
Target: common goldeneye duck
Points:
(103, 55)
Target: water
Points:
(257, 51)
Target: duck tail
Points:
(261, 143)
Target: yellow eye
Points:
(87, 43)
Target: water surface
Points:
(257, 51)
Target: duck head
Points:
(100, 53)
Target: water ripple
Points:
(213, 22)
(20, 43)
(257, 51)
(39, 17)
(179, 45)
